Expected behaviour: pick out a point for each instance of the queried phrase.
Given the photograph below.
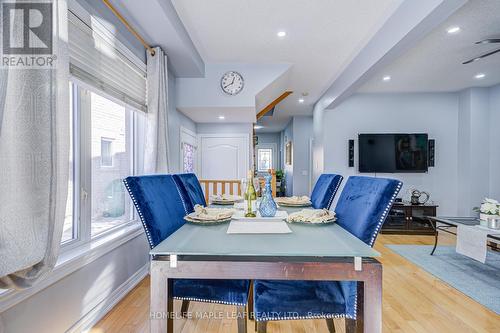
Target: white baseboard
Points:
(100, 310)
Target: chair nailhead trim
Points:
(180, 195)
(334, 192)
(141, 217)
(384, 214)
(329, 316)
(208, 301)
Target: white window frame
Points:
(82, 165)
(83, 249)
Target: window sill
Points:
(71, 260)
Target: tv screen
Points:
(390, 153)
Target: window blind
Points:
(97, 58)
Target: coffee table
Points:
(448, 223)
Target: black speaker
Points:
(351, 153)
(432, 156)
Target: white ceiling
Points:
(322, 37)
(435, 63)
(158, 23)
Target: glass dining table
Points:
(310, 252)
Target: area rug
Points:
(481, 282)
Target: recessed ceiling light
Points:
(222, 117)
(301, 100)
(479, 76)
(281, 33)
(453, 30)
(257, 127)
(387, 78)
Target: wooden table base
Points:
(252, 268)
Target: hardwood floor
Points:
(414, 301)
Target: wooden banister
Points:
(231, 186)
(211, 186)
(271, 105)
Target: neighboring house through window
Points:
(106, 152)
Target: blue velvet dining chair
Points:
(193, 188)
(325, 189)
(362, 209)
(162, 202)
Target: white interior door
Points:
(224, 156)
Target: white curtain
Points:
(34, 148)
(156, 141)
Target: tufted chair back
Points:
(364, 205)
(193, 188)
(161, 204)
(324, 190)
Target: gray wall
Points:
(494, 105)
(287, 135)
(435, 114)
(302, 134)
(318, 139)
(463, 124)
(229, 128)
(176, 120)
(297, 176)
(473, 148)
(58, 307)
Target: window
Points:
(110, 204)
(188, 157)
(264, 159)
(104, 151)
(187, 150)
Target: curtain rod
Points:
(129, 27)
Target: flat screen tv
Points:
(391, 153)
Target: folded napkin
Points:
(225, 197)
(311, 216)
(211, 214)
(293, 200)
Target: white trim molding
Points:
(91, 318)
(72, 260)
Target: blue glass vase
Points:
(267, 206)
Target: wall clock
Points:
(232, 83)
